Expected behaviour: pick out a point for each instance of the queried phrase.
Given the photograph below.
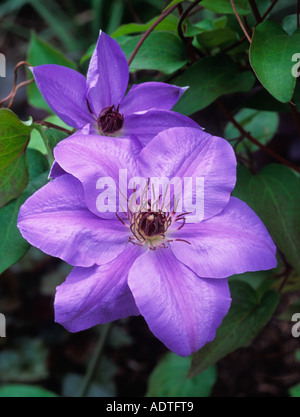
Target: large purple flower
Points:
(167, 265)
(97, 103)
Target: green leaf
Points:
(199, 27)
(20, 390)
(292, 284)
(205, 25)
(213, 38)
(169, 379)
(271, 55)
(261, 124)
(220, 22)
(54, 137)
(246, 317)
(173, 2)
(260, 281)
(41, 53)
(12, 245)
(209, 79)
(14, 137)
(11, 6)
(88, 54)
(58, 21)
(295, 391)
(274, 195)
(36, 141)
(38, 164)
(161, 51)
(98, 12)
(115, 16)
(224, 6)
(262, 100)
(168, 24)
(289, 23)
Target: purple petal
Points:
(151, 95)
(96, 295)
(55, 219)
(56, 170)
(233, 242)
(193, 153)
(181, 309)
(64, 91)
(89, 158)
(108, 74)
(146, 125)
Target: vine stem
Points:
(40, 129)
(16, 87)
(95, 360)
(183, 16)
(285, 279)
(269, 9)
(253, 140)
(192, 53)
(255, 11)
(240, 21)
(12, 95)
(147, 33)
(54, 126)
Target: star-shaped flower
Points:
(163, 264)
(98, 104)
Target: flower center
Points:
(110, 120)
(152, 224)
(150, 228)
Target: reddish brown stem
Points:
(192, 53)
(147, 33)
(253, 140)
(15, 87)
(255, 11)
(11, 96)
(240, 21)
(54, 126)
(285, 279)
(183, 16)
(269, 9)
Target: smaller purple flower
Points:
(169, 266)
(98, 104)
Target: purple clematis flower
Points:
(169, 266)
(98, 104)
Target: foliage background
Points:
(251, 102)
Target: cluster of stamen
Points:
(110, 120)
(151, 227)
